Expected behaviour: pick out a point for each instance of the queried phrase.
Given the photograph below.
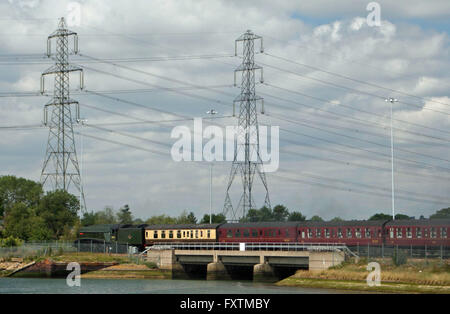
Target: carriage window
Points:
(379, 233)
(339, 233)
(358, 233)
(425, 233)
(196, 234)
(208, 234)
(163, 234)
(391, 233)
(399, 233)
(443, 233)
(287, 233)
(279, 232)
(367, 233)
(146, 234)
(408, 233)
(318, 233)
(310, 234)
(327, 233)
(201, 233)
(418, 233)
(171, 234)
(260, 233)
(254, 233)
(229, 233)
(155, 234)
(246, 233)
(178, 234)
(349, 233)
(237, 233)
(433, 232)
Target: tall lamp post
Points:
(391, 101)
(211, 112)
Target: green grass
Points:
(90, 258)
(415, 276)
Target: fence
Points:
(38, 249)
(422, 252)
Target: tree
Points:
(280, 213)
(22, 222)
(316, 218)
(215, 219)
(296, 216)
(59, 210)
(138, 221)
(89, 219)
(443, 213)
(124, 215)
(186, 218)
(15, 190)
(161, 220)
(381, 216)
(402, 217)
(106, 216)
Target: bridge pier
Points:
(217, 271)
(264, 273)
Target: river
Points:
(106, 286)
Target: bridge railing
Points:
(250, 246)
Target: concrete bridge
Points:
(260, 262)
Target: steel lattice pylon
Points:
(60, 170)
(247, 133)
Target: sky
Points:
(326, 74)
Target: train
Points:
(403, 233)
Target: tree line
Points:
(27, 213)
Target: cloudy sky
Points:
(326, 74)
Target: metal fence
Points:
(39, 249)
(249, 246)
(382, 251)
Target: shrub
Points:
(10, 241)
(399, 258)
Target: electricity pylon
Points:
(60, 170)
(247, 160)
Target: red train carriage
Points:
(258, 232)
(430, 232)
(351, 233)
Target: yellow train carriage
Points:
(181, 233)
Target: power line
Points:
(354, 80)
(349, 88)
(353, 108)
(348, 117)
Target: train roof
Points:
(345, 223)
(99, 228)
(182, 226)
(419, 222)
(268, 224)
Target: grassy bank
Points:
(124, 268)
(416, 276)
(128, 271)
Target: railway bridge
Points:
(257, 261)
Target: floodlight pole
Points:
(211, 112)
(391, 101)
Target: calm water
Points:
(26, 285)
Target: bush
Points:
(399, 258)
(10, 241)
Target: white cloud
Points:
(401, 56)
